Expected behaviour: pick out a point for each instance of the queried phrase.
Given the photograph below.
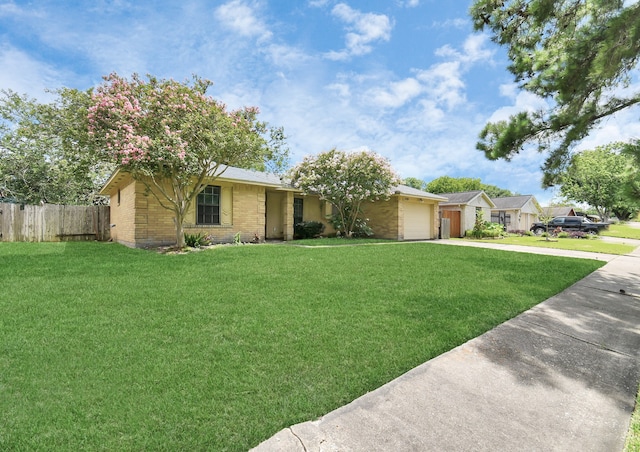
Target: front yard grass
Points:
(108, 348)
(337, 241)
(622, 230)
(633, 437)
(593, 245)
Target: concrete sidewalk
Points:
(562, 376)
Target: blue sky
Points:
(408, 79)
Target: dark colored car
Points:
(569, 224)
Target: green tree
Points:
(494, 191)
(448, 184)
(574, 53)
(414, 182)
(175, 139)
(632, 187)
(45, 152)
(346, 180)
(598, 178)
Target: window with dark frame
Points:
(209, 205)
(297, 210)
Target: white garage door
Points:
(417, 221)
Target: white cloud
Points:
(444, 83)
(24, 75)
(623, 126)
(283, 55)
(426, 117)
(397, 94)
(452, 23)
(318, 3)
(11, 9)
(363, 30)
(342, 90)
(522, 101)
(473, 50)
(236, 15)
(409, 3)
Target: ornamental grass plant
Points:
(110, 348)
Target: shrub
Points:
(307, 229)
(360, 227)
(483, 229)
(578, 235)
(563, 235)
(493, 230)
(197, 240)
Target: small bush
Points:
(484, 229)
(197, 240)
(307, 229)
(563, 235)
(360, 228)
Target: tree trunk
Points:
(178, 219)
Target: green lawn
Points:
(337, 241)
(633, 437)
(622, 230)
(593, 245)
(108, 348)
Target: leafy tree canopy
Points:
(632, 188)
(600, 178)
(576, 54)
(45, 151)
(414, 182)
(175, 139)
(447, 184)
(346, 180)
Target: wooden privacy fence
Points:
(53, 223)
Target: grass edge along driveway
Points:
(105, 347)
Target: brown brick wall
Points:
(384, 219)
(122, 213)
(242, 210)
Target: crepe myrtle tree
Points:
(175, 139)
(346, 180)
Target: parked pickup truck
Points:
(569, 224)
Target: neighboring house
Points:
(463, 208)
(561, 211)
(255, 204)
(515, 213)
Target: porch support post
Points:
(287, 215)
